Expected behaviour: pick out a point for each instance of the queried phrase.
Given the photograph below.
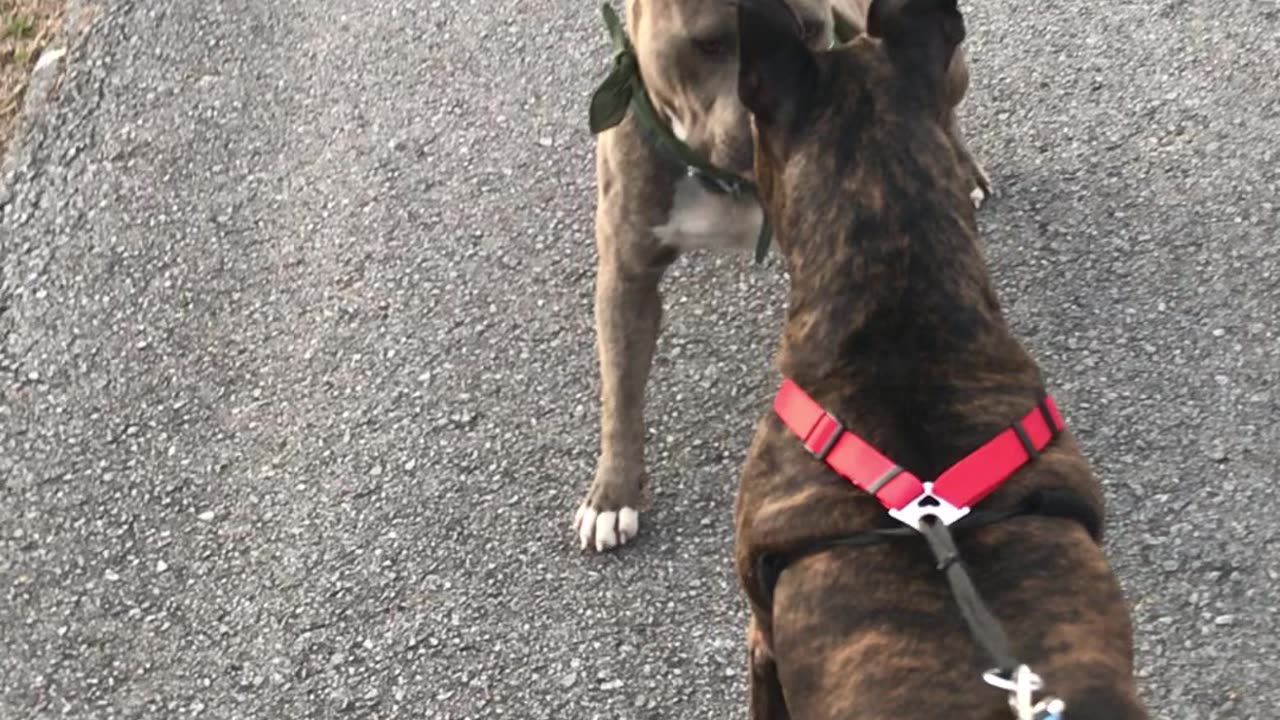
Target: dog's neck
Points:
(895, 308)
(900, 335)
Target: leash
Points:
(1009, 674)
(930, 509)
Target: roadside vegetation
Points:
(26, 28)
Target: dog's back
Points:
(894, 328)
(874, 632)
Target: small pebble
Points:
(206, 516)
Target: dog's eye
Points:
(714, 45)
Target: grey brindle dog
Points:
(650, 209)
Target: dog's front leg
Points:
(764, 690)
(628, 313)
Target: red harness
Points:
(930, 508)
(907, 498)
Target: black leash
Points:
(984, 626)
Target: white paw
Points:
(977, 196)
(605, 530)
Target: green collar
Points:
(624, 89)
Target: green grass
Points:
(26, 28)
(18, 26)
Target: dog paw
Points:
(981, 191)
(605, 529)
(609, 516)
(977, 195)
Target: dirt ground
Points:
(26, 27)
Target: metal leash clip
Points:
(1022, 688)
(1049, 709)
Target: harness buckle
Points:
(927, 504)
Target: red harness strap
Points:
(907, 498)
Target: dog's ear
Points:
(926, 31)
(776, 72)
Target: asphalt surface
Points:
(297, 383)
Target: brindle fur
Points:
(637, 192)
(894, 326)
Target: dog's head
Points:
(859, 122)
(688, 55)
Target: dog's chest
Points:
(701, 219)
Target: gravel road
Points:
(297, 378)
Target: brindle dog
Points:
(648, 212)
(894, 326)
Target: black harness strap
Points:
(1043, 503)
(984, 626)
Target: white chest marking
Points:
(678, 130)
(705, 220)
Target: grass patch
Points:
(26, 27)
